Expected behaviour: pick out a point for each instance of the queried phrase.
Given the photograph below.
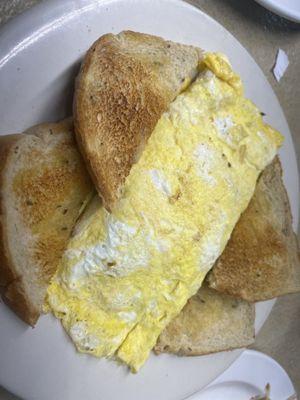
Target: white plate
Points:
(39, 57)
(289, 9)
(247, 377)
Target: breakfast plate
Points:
(40, 53)
(289, 9)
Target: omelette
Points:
(128, 273)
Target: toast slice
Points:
(209, 322)
(125, 84)
(44, 186)
(261, 260)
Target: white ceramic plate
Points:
(289, 9)
(247, 377)
(40, 53)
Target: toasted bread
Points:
(43, 188)
(209, 322)
(125, 84)
(261, 260)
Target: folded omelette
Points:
(128, 273)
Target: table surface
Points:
(262, 33)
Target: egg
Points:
(129, 272)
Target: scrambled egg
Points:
(128, 273)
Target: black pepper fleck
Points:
(111, 263)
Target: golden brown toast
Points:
(125, 84)
(209, 322)
(261, 260)
(44, 186)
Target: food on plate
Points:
(176, 153)
(261, 260)
(44, 187)
(130, 271)
(125, 84)
(209, 322)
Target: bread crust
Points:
(10, 287)
(125, 83)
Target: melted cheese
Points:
(127, 274)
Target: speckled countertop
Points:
(280, 336)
